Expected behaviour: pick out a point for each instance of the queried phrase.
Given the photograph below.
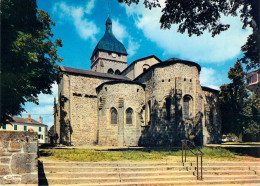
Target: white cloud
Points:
(90, 6)
(121, 34)
(47, 98)
(201, 49)
(85, 28)
(132, 47)
(119, 30)
(209, 78)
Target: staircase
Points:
(132, 173)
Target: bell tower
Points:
(110, 55)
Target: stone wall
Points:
(212, 125)
(18, 157)
(166, 87)
(78, 109)
(120, 96)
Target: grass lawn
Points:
(145, 154)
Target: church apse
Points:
(175, 100)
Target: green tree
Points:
(252, 129)
(29, 55)
(196, 16)
(234, 101)
(51, 131)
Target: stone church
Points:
(148, 103)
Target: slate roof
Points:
(92, 73)
(25, 121)
(109, 42)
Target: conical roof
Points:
(109, 42)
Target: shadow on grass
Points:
(147, 149)
(245, 151)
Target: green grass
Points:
(92, 155)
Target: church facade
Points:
(148, 103)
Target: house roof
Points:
(92, 73)
(25, 121)
(141, 59)
(109, 42)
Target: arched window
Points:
(129, 116)
(145, 67)
(148, 115)
(187, 106)
(110, 71)
(117, 72)
(113, 116)
(168, 107)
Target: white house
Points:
(28, 124)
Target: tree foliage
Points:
(29, 55)
(197, 16)
(51, 131)
(234, 101)
(240, 110)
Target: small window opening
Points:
(168, 107)
(190, 80)
(187, 107)
(184, 79)
(113, 116)
(169, 80)
(110, 71)
(117, 72)
(129, 116)
(163, 80)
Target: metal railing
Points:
(185, 145)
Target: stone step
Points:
(231, 172)
(116, 174)
(114, 164)
(188, 183)
(140, 181)
(140, 174)
(111, 169)
(170, 173)
(145, 169)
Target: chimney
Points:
(29, 118)
(40, 119)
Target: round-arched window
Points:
(117, 72)
(113, 116)
(145, 67)
(129, 116)
(187, 106)
(110, 71)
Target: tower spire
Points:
(108, 8)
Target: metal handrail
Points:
(185, 143)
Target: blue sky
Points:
(80, 24)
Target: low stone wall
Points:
(18, 157)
